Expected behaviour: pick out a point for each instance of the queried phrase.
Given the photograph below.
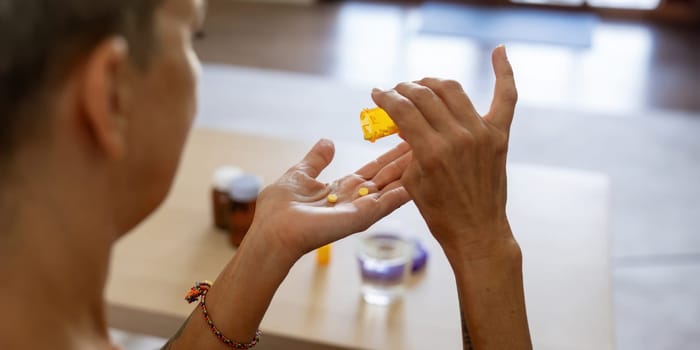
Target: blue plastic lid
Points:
(420, 257)
(245, 188)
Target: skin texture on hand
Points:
(457, 178)
(294, 211)
(293, 217)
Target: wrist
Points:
(503, 255)
(240, 295)
(492, 243)
(265, 242)
(263, 248)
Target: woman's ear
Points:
(103, 96)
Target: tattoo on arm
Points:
(466, 338)
(169, 344)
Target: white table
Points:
(560, 219)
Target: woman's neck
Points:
(54, 260)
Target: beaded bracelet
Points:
(199, 291)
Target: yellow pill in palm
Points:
(363, 191)
(332, 198)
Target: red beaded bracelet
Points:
(199, 291)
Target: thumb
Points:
(318, 158)
(505, 94)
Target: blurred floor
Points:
(630, 67)
(132, 341)
(628, 106)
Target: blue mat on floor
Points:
(507, 24)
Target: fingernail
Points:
(324, 141)
(376, 90)
(505, 54)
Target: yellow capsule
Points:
(363, 191)
(376, 124)
(332, 198)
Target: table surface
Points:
(560, 218)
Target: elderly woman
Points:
(96, 101)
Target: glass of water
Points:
(385, 263)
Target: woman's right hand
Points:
(457, 176)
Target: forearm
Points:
(238, 299)
(492, 302)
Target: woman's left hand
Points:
(295, 215)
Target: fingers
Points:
(455, 99)
(392, 171)
(371, 169)
(363, 212)
(415, 129)
(392, 199)
(318, 158)
(379, 205)
(430, 105)
(506, 94)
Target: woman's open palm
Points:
(296, 209)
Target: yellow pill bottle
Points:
(376, 123)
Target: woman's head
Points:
(102, 88)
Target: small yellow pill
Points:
(332, 198)
(363, 191)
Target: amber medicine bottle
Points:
(220, 201)
(243, 192)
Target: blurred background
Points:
(610, 86)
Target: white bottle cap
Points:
(223, 177)
(245, 188)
